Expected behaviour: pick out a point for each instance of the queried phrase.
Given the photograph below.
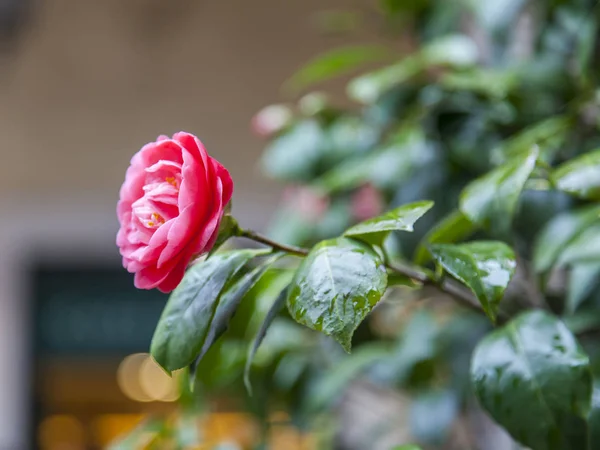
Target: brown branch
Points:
(257, 237)
(462, 295)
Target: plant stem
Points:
(455, 290)
(257, 237)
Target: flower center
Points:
(160, 200)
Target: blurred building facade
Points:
(83, 84)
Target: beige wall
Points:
(92, 80)
(89, 82)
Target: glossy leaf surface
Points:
(535, 380)
(187, 317)
(580, 176)
(450, 229)
(375, 230)
(336, 286)
(486, 267)
(491, 200)
(559, 233)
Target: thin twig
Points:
(455, 290)
(257, 237)
(460, 294)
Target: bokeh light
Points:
(141, 379)
(61, 432)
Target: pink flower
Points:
(271, 120)
(309, 203)
(170, 208)
(366, 202)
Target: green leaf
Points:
(491, 200)
(492, 83)
(262, 332)
(580, 176)
(404, 152)
(548, 135)
(583, 279)
(559, 234)
(350, 136)
(222, 366)
(407, 447)
(336, 62)
(375, 230)
(452, 50)
(486, 267)
(187, 317)
(335, 287)
(583, 248)
(295, 154)
(397, 279)
(452, 228)
(227, 304)
(535, 380)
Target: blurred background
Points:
(83, 84)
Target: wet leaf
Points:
(452, 228)
(374, 231)
(559, 233)
(336, 286)
(491, 200)
(227, 304)
(534, 380)
(580, 176)
(486, 267)
(188, 315)
(337, 62)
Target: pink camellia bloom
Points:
(170, 209)
(366, 202)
